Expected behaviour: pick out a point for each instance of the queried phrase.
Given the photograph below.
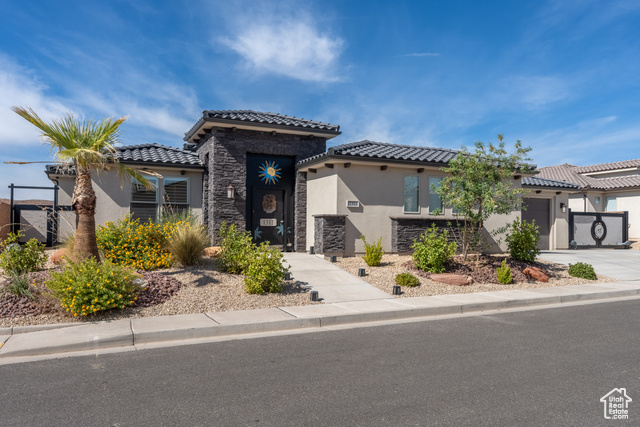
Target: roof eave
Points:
(243, 124)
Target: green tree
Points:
(85, 145)
(480, 184)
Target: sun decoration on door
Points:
(269, 172)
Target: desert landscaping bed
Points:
(383, 276)
(170, 291)
(200, 289)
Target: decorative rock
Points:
(58, 255)
(452, 279)
(212, 251)
(536, 273)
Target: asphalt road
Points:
(543, 367)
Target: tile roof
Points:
(573, 174)
(142, 154)
(384, 151)
(156, 153)
(534, 181)
(603, 167)
(261, 119)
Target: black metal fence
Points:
(598, 229)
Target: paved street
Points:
(539, 367)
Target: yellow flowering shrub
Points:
(87, 287)
(143, 246)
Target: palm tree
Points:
(85, 145)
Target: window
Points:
(144, 201)
(435, 202)
(411, 187)
(176, 194)
(612, 204)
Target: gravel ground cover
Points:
(383, 276)
(170, 291)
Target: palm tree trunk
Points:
(84, 203)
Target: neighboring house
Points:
(606, 187)
(272, 174)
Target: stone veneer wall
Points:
(329, 233)
(300, 212)
(405, 230)
(227, 150)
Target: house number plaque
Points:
(268, 222)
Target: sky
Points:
(561, 76)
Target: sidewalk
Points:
(332, 283)
(28, 342)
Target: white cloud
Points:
(289, 44)
(19, 87)
(533, 92)
(580, 143)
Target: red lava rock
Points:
(58, 255)
(536, 273)
(452, 279)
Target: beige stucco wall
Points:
(629, 201)
(381, 196)
(113, 194)
(321, 197)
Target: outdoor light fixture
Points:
(563, 206)
(396, 290)
(231, 192)
(334, 258)
(313, 295)
(361, 272)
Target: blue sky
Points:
(562, 76)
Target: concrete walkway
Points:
(332, 283)
(621, 264)
(28, 343)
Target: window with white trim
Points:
(411, 190)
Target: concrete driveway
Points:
(621, 264)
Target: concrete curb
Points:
(129, 333)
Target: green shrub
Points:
(504, 273)
(582, 270)
(522, 240)
(373, 253)
(265, 272)
(19, 286)
(433, 250)
(17, 260)
(407, 279)
(87, 287)
(187, 243)
(129, 243)
(236, 249)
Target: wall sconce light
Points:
(230, 191)
(563, 206)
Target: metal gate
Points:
(598, 229)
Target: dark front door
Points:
(538, 209)
(267, 216)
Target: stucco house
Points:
(272, 174)
(605, 187)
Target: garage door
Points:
(538, 209)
